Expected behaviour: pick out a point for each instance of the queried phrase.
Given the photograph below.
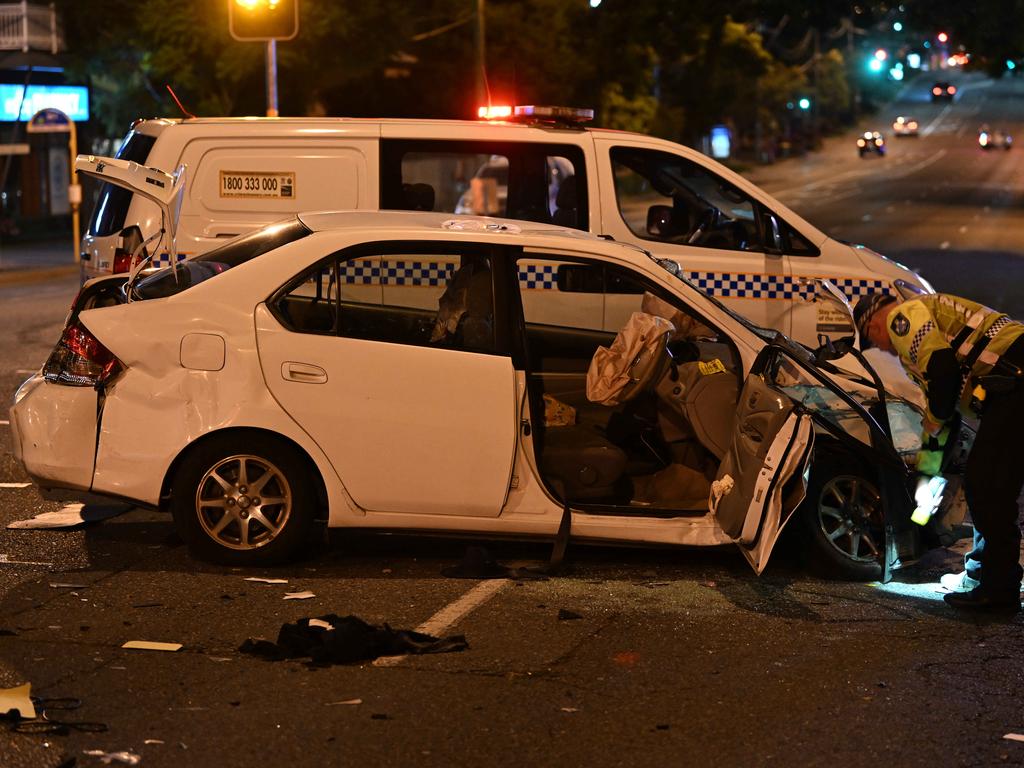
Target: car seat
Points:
(566, 213)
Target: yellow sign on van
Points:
(257, 184)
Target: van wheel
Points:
(842, 520)
(243, 502)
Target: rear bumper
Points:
(54, 431)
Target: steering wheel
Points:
(707, 222)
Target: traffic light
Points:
(263, 19)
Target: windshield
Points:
(191, 272)
(676, 270)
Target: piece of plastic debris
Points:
(1014, 736)
(18, 699)
(298, 595)
(149, 645)
(71, 515)
(262, 580)
(107, 758)
(153, 741)
(347, 639)
(570, 709)
(566, 615)
(62, 585)
(349, 702)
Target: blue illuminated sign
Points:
(72, 100)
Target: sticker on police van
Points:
(257, 184)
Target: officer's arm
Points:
(943, 374)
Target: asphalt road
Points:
(679, 656)
(938, 202)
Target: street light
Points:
(942, 37)
(265, 21)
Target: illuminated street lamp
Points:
(942, 37)
(265, 21)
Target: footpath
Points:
(36, 261)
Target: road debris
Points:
(18, 699)
(262, 580)
(107, 758)
(346, 702)
(566, 615)
(149, 645)
(66, 585)
(333, 639)
(1014, 736)
(298, 595)
(71, 515)
(477, 563)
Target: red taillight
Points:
(122, 261)
(80, 360)
(936, 91)
(951, 90)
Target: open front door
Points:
(752, 497)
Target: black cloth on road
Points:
(347, 640)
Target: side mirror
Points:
(659, 221)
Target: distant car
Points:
(943, 92)
(994, 139)
(905, 126)
(871, 141)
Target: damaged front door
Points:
(752, 497)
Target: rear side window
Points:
(192, 272)
(524, 180)
(112, 205)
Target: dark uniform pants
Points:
(992, 484)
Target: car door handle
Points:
(304, 373)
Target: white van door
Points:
(771, 445)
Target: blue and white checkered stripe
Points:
(742, 285)
(541, 276)
(721, 285)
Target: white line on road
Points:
(453, 613)
(26, 370)
(935, 123)
(15, 485)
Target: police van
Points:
(541, 164)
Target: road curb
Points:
(24, 276)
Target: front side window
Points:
(670, 199)
(533, 182)
(441, 298)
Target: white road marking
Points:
(15, 485)
(934, 123)
(5, 561)
(453, 613)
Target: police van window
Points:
(428, 298)
(112, 203)
(670, 199)
(534, 182)
(796, 244)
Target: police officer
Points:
(966, 355)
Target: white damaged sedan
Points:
(416, 371)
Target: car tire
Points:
(841, 519)
(218, 513)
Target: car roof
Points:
(413, 223)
